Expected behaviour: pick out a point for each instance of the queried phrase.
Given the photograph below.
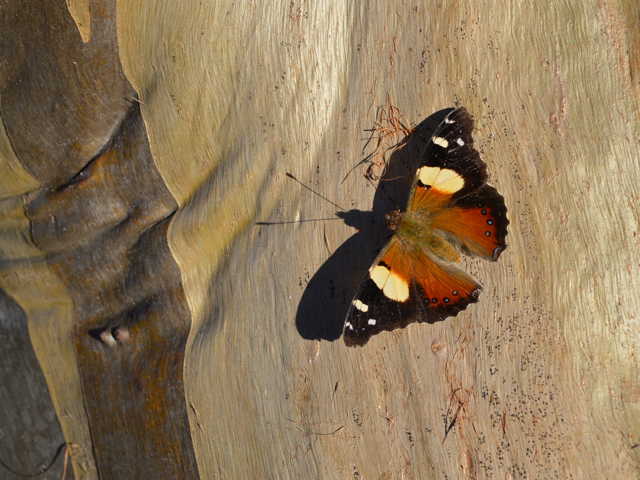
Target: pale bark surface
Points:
(537, 380)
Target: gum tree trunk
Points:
(155, 330)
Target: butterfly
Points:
(450, 209)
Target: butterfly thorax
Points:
(415, 232)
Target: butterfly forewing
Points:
(451, 149)
(384, 301)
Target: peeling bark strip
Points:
(116, 262)
(99, 220)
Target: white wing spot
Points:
(449, 121)
(460, 142)
(371, 321)
(360, 305)
(348, 325)
(392, 285)
(440, 141)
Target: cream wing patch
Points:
(440, 141)
(442, 179)
(392, 285)
(360, 305)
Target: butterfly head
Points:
(393, 219)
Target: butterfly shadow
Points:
(328, 295)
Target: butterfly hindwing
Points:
(477, 222)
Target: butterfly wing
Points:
(409, 282)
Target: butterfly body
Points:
(450, 209)
(415, 233)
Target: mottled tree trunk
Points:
(153, 327)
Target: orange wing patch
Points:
(428, 199)
(444, 286)
(475, 228)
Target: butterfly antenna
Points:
(314, 192)
(304, 220)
